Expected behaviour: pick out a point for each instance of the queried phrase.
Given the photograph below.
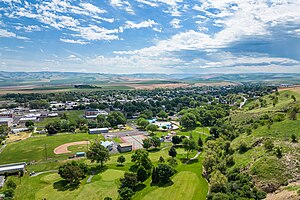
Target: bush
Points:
(11, 185)
(243, 148)
(269, 145)
(126, 193)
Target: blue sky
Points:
(150, 36)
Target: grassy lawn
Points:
(72, 116)
(187, 183)
(33, 149)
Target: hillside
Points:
(270, 124)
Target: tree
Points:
(209, 163)
(243, 147)
(269, 145)
(9, 193)
(217, 181)
(151, 128)
(115, 118)
(142, 123)
(293, 97)
(294, 137)
(188, 121)
(29, 123)
(188, 145)
(164, 172)
(126, 193)
(172, 162)
(176, 139)
(154, 177)
(161, 159)
(98, 153)
(162, 114)
(72, 172)
(130, 180)
(155, 141)
(278, 152)
(147, 143)
(108, 198)
(11, 184)
(121, 159)
(200, 142)
(172, 152)
(51, 128)
(142, 174)
(141, 157)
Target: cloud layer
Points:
(151, 36)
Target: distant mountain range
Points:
(69, 78)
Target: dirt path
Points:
(64, 147)
(193, 158)
(39, 173)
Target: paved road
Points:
(243, 103)
(39, 173)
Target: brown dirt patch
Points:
(283, 193)
(62, 149)
(295, 88)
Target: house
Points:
(6, 122)
(2, 181)
(7, 114)
(52, 115)
(93, 113)
(26, 119)
(17, 130)
(12, 168)
(124, 147)
(107, 144)
(98, 130)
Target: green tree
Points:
(151, 128)
(126, 193)
(155, 141)
(200, 142)
(162, 114)
(172, 152)
(121, 159)
(72, 172)
(164, 172)
(130, 180)
(217, 181)
(141, 157)
(161, 159)
(29, 123)
(98, 153)
(188, 145)
(142, 123)
(142, 174)
(293, 97)
(294, 138)
(154, 177)
(176, 139)
(108, 198)
(115, 118)
(51, 128)
(188, 121)
(11, 184)
(147, 143)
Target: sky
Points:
(150, 36)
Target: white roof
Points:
(4, 168)
(98, 129)
(106, 143)
(5, 119)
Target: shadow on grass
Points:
(168, 184)
(63, 185)
(188, 160)
(120, 165)
(96, 170)
(153, 150)
(140, 187)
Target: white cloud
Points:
(73, 41)
(143, 24)
(175, 23)
(94, 32)
(149, 3)
(91, 8)
(123, 5)
(8, 34)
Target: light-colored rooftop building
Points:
(10, 168)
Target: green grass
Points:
(33, 149)
(187, 183)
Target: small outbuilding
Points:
(107, 144)
(80, 154)
(124, 147)
(12, 168)
(98, 130)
